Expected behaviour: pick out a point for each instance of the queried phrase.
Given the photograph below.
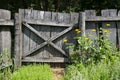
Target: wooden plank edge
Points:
(6, 22)
(5, 65)
(50, 60)
(101, 18)
(39, 22)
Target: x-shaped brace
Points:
(49, 41)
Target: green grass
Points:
(33, 72)
(100, 71)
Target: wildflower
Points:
(108, 25)
(86, 38)
(77, 31)
(93, 30)
(106, 31)
(79, 54)
(65, 40)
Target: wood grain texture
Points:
(18, 41)
(118, 32)
(112, 28)
(91, 25)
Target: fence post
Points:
(18, 41)
(82, 23)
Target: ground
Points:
(58, 73)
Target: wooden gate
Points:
(42, 33)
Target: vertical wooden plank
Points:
(32, 37)
(82, 23)
(91, 25)
(47, 34)
(118, 33)
(0, 42)
(112, 28)
(61, 17)
(54, 31)
(18, 40)
(25, 34)
(6, 39)
(74, 18)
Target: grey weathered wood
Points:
(33, 30)
(46, 23)
(18, 40)
(5, 33)
(6, 39)
(6, 22)
(91, 25)
(47, 35)
(5, 14)
(50, 60)
(101, 18)
(74, 18)
(82, 23)
(118, 33)
(112, 35)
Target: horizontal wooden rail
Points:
(101, 18)
(55, 59)
(6, 22)
(39, 22)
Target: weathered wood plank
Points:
(5, 14)
(74, 18)
(50, 60)
(118, 33)
(91, 25)
(6, 22)
(6, 39)
(101, 18)
(26, 40)
(46, 34)
(112, 28)
(82, 23)
(18, 40)
(33, 30)
(46, 23)
(0, 42)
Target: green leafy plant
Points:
(92, 50)
(5, 71)
(33, 72)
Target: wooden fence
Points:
(5, 36)
(39, 35)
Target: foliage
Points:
(5, 72)
(92, 50)
(33, 72)
(99, 71)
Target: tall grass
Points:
(33, 72)
(100, 71)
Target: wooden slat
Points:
(46, 23)
(91, 25)
(6, 22)
(118, 34)
(0, 42)
(18, 40)
(50, 60)
(6, 40)
(82, 23)
(35, 49)
(59, 49)
(74, 18)
(46, 31)
(60, 34)
(112, 35)
(33, 30)
(101, 18)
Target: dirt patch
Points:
(58, 73)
